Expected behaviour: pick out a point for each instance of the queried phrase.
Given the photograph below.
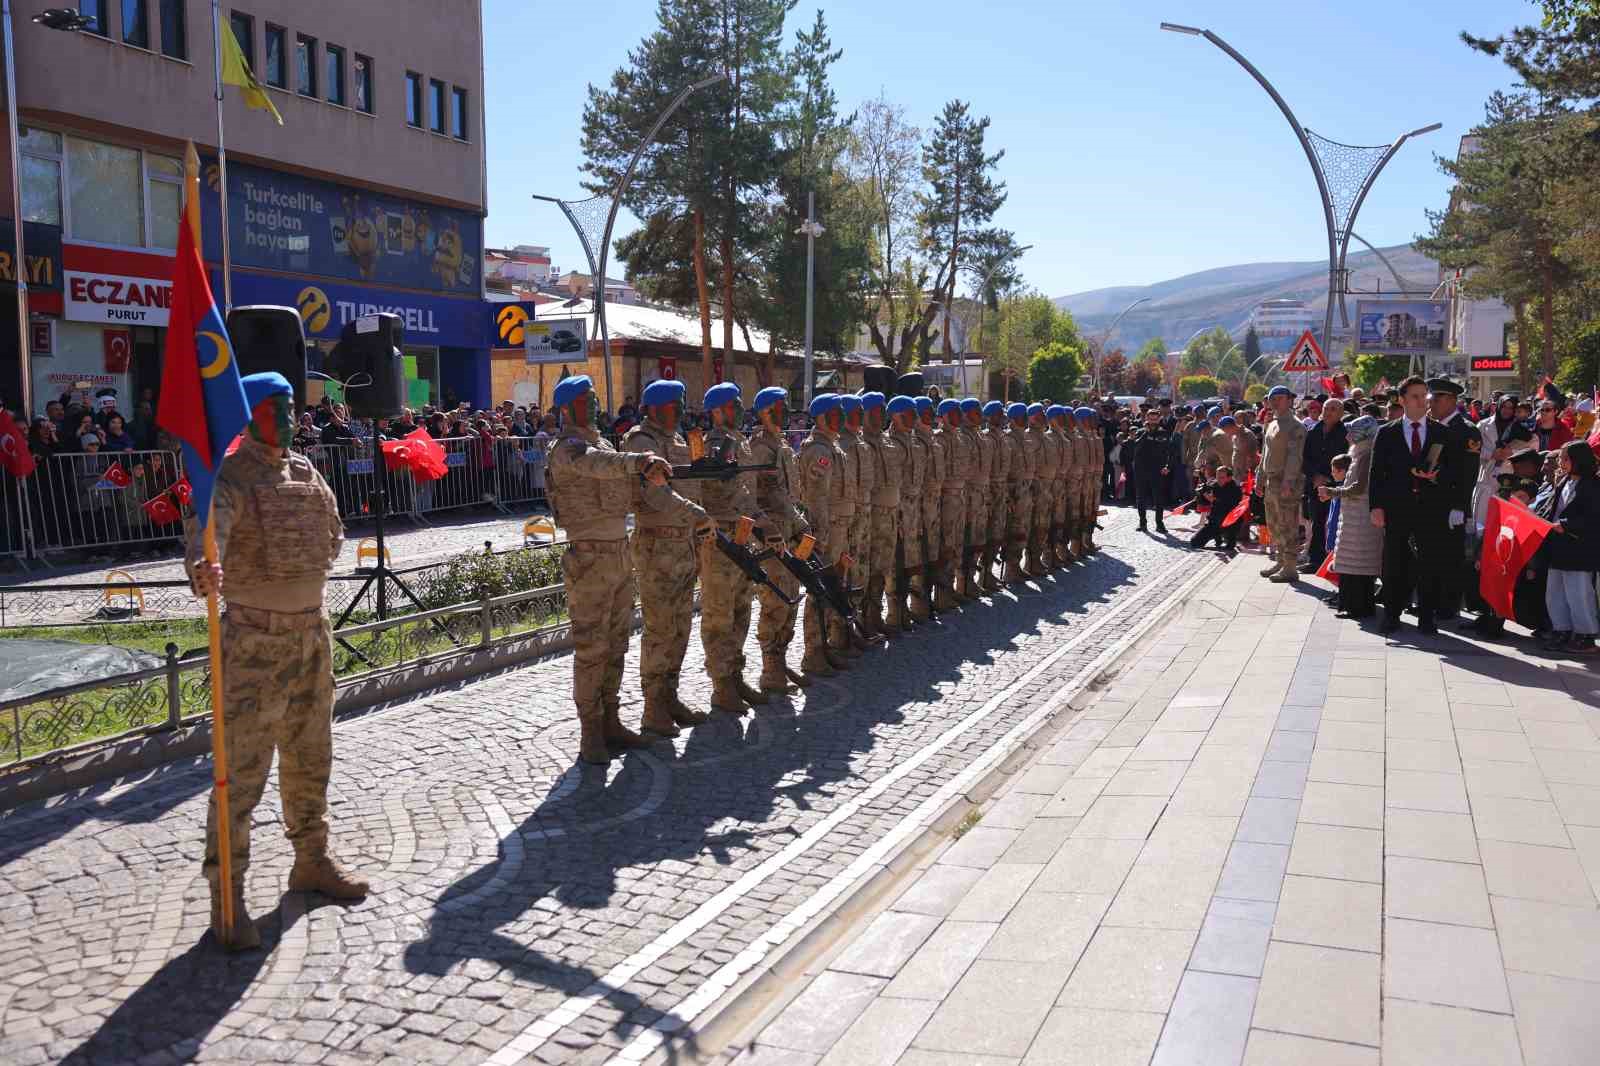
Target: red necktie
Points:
(1416, 440)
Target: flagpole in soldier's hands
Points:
(207, 582)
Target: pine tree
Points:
(961, 198)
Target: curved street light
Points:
(1098, 351)
(611, 216)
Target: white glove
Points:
(1457, 519)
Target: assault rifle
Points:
(704, 467)
(826, 583)
(749, 558)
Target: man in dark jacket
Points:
(1324, 441)
(1223, 495)
(1464, 442)
(1152, 455)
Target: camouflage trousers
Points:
(1019, 520)
(838, 544)
(1064, 506)
(599, 580)
(1089, 504)
(860, 544)
(725, 596)
(666, 565)
(953, 523)
(910, 523)
(977, 515)
(1044, 508)
(995, 522)
(933, 525)
(775, 628)
(277, 678)
(1283, 520)
(885, 531)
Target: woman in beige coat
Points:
(1358, 551)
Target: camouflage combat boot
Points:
(684, 715)
(245, 935)
(986, 580)
(317, 872)
(725, 697)
(657, 719)
(796, 678)
(753, 696)
(1012, 574)
(944, 592)
(618, 735)
(894, 612)
(917, 605)
(1034, 566)
(592, 740)
(774, 674)
(816, 664)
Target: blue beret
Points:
(924, 403)
(770, 395)
(1035, 409)
(947, 407)
(1017, 410)
(661, 393)
(850, 403)
(1215, 408)
(821, 405)
(258, 387)
(992, 408)
(1055, 410)
(1280, 390)
(869, 400)
(970, 404)
(718, 395)
(901, 403)
(572, 388)
(1083, 412)
(1226, 420)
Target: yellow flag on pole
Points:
(235, 71)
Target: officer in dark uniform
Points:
(1464, 442)
(1152, 452)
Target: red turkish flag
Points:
(183, 491)
(426, 456)
(1512, 533)
(1242, 508)
(14, 454)
(161, 511)
(1325, 571)
(118, 476)
(395, 454)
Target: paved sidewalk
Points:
(1278, 839)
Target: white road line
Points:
(530, 1039)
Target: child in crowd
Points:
(1574, 545)
(1223, 495)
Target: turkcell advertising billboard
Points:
(299, 225)
(1402, 327)
(556, 340)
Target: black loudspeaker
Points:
(909, 385)
(877, 378)
(270, 338)
(368, 362)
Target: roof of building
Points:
(662, 324)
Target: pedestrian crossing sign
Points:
(1305, 356)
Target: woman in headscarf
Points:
(1358, 547)
(1496, 435)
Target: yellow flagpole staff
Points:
(219, 742)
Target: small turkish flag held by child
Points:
(183, 491)
(1512, 533)
(14, 454)
(161, 511)
(1326, 572)
(118, 476)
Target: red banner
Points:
(118, 345)
(667, 368)
(1511, 534)
(1325, 571)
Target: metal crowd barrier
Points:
(479, 473)
(116, 501)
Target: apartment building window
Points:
(363, 83)
(95, 12)
(41, 176)
(105, 193)
(413, 99)
(333, 58)
(244, 31)
(277, 42)
(305, 65)
(174, 32)
(458, 113)
(164, 195)
(135, 23)
(436, 105)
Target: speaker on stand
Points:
(265, 338)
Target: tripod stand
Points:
(380, 574)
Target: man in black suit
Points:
(1413, 492)
(1464, 444)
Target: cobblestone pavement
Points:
(524, 908)
(1277, 838)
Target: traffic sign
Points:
(1305, 356)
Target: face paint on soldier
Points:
(272, 421)
(875, 420)
(664, 415)
(772, 416)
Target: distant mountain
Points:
(1225, 296)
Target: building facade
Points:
(1279, 323)
(369, 197)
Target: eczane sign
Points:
(117, 299)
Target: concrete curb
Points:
(763, 995)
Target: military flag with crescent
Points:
(202, 400)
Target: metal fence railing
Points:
(110, 501)
(496, 472)
(178, 693)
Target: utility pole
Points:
(812, 229)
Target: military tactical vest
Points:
(588, 508)
(647, 436)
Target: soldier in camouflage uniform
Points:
(820, 468)
(277, 530)
(883, 575)
(1019, 518)
(591, 488)
(725, 592)
(983, 451)
(903, 416)
(1281, 483)
(777, 494)
(666, 562)
(860, 451)
(1048, 463)
(843, 538)
(998, 496)
(1089, 425)
(959, 464)
(932, 523)
(1066, 456)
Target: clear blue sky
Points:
(1132, 155)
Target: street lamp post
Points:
(812, 229)
(1105, 335)
(55, 18)
(616, 202)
